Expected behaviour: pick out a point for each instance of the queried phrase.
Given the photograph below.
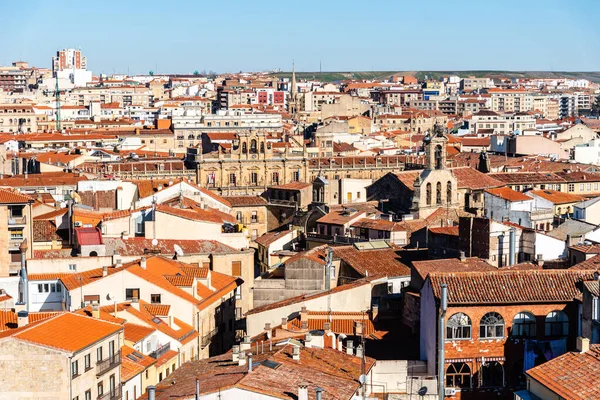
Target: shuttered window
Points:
(236, 268)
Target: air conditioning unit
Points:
(449, 391)
(78, 224)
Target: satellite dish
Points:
(422, 391)
(362, 379)
(178, 250)
(110, 296)
(154, 242)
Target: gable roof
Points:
(384, 262)
(556, 197)
(511, 286)
(13, 197)
(88, 236)
(508, 194)
(69, 332)
(572, 376)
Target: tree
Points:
(196, 73)
(151, 73)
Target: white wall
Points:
(428, 327)
(549, 247)
(356, 299)
(54, 265)
(188, 191)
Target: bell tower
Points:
(435, 149)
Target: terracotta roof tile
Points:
(134, 332)
(385, 262)
(509, 194)
(557, 197)
(244, 201)
(270, 237)
(139, 246)
(445, 230)
(159, 310)
(572, 376)
(70, 332)
(12, 196)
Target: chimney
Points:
(23, 319)
(349, 347)
(462, 257)
(197, 389)
(319, 393)
(242, 359)
(95, 311)
(235, 355)
(249, 363)
(284, 323)
(119, 263)
(246, 344)
(296, 353)
(104, 270)
(327, 327)
(307, 340)
(304, 325)
(303, 391)
(358, 328)
(151, 392)
(143, 262)
(359, 351)
(583, 344)
(540, 260)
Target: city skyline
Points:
(230, 38)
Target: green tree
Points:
(196, 72)
(151, 73)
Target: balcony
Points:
(113, 394)
(160, 351)
(17, 220)
(107, 364)
(206, 339)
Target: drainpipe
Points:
(511, 246)
(442, 341)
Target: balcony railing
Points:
(113, 394)
(206, 339)
(17, 221)
(107, 364)
(160, 351)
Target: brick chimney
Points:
(327, 327)
(296, 353)
(303, 314)
(540, 260)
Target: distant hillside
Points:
(381, 75)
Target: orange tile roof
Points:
(160, 310)
(134, 332)
(195, 215)
(557, 197)
(52, 214)
(131, 368)
(13, 197)
(165, 358)
(509, 194)
(572, 376)
(70, 332)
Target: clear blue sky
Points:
(226, 36)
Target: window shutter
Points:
(236, 268)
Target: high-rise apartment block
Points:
(68, 59)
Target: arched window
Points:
(524, 325)
(253, 148)
(10, 120)
(428, 194)
(262, 147)
(557, 324)
(449, 192)
(93, 254)
(438, 193)
(491, 326)
(438, 157)
(198, 137)
(492, 374)
(458, 375)
(190, 137)
(244, 148)
(458, 327)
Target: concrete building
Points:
(16, 221)
(506, 204)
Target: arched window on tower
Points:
(449, 192)
(438, 193)
(262, 147)
(438, 157)
(253, 148)
(244, 148)
(428, 194)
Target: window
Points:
(571, 187)
(88, 394)
(16, 234)
(87, 362)
(428, 194)
(254, 217)
(72, 267)
(296, 176)
(99, 354)
(458, 375)
(557, 324)
(438, 193)
(524, 325)
(155, 298)
(448, 192)
(238, 293)
(236, 268)
(160, 377)
(131, 294)
(581, 187)
(358, 195)
(458, 327)
(74, 369)
(232, 179)
(253, 178)
(275, 177)
(491, 326)
(100, 389)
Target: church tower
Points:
(435, 149)
(293, 101)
